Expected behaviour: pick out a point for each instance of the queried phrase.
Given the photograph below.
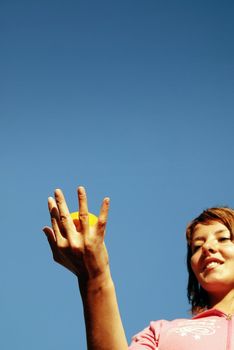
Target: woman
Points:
(210, 261)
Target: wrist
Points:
(96, 284)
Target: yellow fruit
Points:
(92, 218)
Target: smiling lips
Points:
(211, 263)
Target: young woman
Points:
(210, 260)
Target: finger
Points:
(55, 220)
(49, 233)
(50, 236)
(52, 242)
(102, 219)
(83, 210)
(66, 222)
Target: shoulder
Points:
(149, 336)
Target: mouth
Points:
(211, 264)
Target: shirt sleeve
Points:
(147, 339)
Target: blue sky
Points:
(134, 100)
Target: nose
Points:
(209, 247)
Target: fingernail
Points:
(81, 189)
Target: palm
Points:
(80, 248)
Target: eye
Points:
(195, 248)
(223, 239)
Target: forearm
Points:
(80, 248)
(104, 327)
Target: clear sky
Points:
(133, 99)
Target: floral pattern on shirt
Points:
(195, 328)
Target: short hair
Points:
(198, 296)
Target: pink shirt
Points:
(210, 330)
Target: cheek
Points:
(194, 264)
(228, 252)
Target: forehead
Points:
(209, 229)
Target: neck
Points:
(223, 303)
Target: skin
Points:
(214, 242)
(82, 250)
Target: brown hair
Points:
(197, 296)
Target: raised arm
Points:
(81, 249)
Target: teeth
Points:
(212, 264)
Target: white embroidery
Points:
(195, 328)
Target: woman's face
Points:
(212, 258)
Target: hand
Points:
(80, 248)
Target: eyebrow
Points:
(202, 237)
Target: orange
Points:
(92, 218)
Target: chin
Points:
(213, 285)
